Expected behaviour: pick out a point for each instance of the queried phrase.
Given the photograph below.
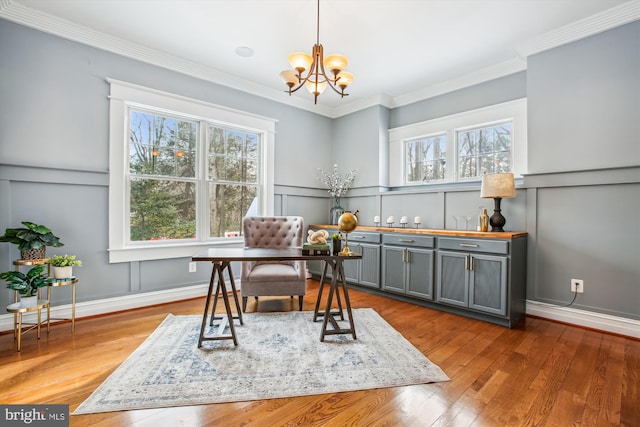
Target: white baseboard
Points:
(110, 305)
(588, 319)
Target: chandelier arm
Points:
(331, 82)
(339, 92)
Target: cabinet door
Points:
(352, 268)
(452, 278)
(488, 284)
(393, 269)
(419, 280)
(370, 265)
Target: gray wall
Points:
(584, 182)
(579, 202)
(583, 103)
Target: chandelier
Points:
(310, 71)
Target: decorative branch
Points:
(337, 184)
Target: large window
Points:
(461, 147)
(183, 173)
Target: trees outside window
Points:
(484, 150)
(426, 159)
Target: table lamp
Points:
(497, 186)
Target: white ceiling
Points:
(398, 50)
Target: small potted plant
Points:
(32, 240)
(28, 284)
(63, 265)
(336, 240)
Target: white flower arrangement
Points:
(337, 184)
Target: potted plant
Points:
(32, 240)
(63, 265)
(336, 240)
(28, 284)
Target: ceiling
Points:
(399, 50)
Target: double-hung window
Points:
(183, 173)
(461, 147)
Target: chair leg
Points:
(300, 298)
(244, 304)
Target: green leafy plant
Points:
(27, 284)
(336, 236)
(32, 236)
(64, 261)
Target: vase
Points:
(28, 301)
(335, 212)
(29, 254)
(337, 246)
(62, 272)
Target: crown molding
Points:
(603, 21)
(608, 19)
(479, 76)
(371, 101)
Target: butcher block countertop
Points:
(432, 231)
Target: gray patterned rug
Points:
(278, 355)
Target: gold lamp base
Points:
(346, 224)
(346, 251)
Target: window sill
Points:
(167, 251)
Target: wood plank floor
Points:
(539, 374)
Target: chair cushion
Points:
(272, 273)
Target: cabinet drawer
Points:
(408, 240)
(474, 245)
(363, 237)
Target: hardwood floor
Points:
(540, 374)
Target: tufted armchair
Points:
(273, 278)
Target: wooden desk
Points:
(221, 259)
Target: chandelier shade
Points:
(315, 72)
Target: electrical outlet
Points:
(577, 285)
(192, 267)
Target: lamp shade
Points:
(500, 185)
(314, 88)
(300, 61)
(335, 62)
(289, 77)
(344, 79)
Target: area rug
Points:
(278, 355)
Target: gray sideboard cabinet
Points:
(408, 264)
(483, 275)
